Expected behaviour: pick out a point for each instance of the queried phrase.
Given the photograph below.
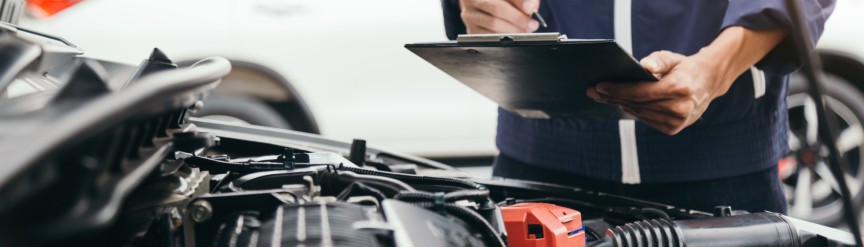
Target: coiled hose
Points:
(758, 229)
(659, 232)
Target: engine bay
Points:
(112, 158)
(272, 195)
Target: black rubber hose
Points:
(472, 218)
(413, 196)
(474, 195)
(415, 179)
(758, 229)
(648, 233)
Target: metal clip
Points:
(507, 38)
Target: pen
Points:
(539, 18)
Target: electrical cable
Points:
(474, 195)
(217, 166)
(416, 179)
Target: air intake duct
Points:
(759, 229)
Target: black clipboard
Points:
(540, 75)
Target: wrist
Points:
(734, 51)
(719, 68)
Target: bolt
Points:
(176, 218)
(721, 211)
(197, 106)
(201, 211)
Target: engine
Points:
(112, 158)
(301, 198)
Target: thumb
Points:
(661, 62)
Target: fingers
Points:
(661, 62)
(593, 94)
(658, 120)
(527, 6)
(666, 88)
(673, 108)
(479, 22)
(669, 86)
(496, 16)
(669, 105)
(669, 116)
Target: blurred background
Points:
(338, 68)
(334, 67)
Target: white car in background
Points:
(338, 67)
(334, 67)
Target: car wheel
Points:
(241, 109)
(811, 191)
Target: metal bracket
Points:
(513, 37)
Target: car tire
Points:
(846, 103)
(241, 109)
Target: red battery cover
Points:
(543, 224)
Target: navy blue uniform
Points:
(741, 133)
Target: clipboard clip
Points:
(510, 38)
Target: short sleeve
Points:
(773, 14)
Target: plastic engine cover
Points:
(543, 224)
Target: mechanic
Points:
(710, 132)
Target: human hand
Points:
(687, 86)
(499, 16)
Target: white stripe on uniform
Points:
(629, 154)
(627, 127)
(623, 34)
(758, 82)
